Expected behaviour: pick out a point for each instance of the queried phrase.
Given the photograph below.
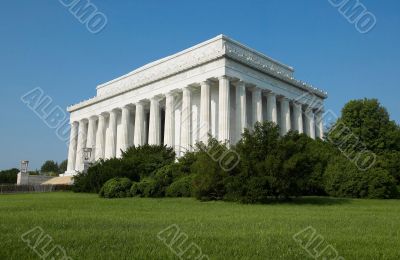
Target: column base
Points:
(69, 173)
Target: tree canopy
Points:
(49, 167)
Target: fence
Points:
(13, 188)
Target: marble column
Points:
(91, 136)
(111, 142)
(82, 138)
(100, 138)
(257, 105)
(205, 106)
(155, 122)
(241, 113)
(125, 122)
(298, 117)
(272, 114)
(139, 125)
(224, 110)
(285, 116)
(186, 120)
(169, 131)
(72, 147)
(320, 124)
(311, 123)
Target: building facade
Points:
(218, 87)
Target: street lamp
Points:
(87, 155)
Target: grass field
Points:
(88, 227)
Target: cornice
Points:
(214, 49)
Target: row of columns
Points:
(92, 132)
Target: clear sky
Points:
(43, 45)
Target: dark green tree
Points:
(49, 167)
(9, 176)
(365, 124)
(63, 166)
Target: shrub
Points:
(103, 171)
(182, 187)
(116, 188)
(164, 177)
(135, 189)
(136, 163)
(145, 188)
(343, 179)
(147, 159)
(209, 176)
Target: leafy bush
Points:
(209, 176)
(136, 163)
(343, 179)
(164, 177)
(103, 171)
(182, 187)
(147, 159)
(135, 189)
(146, 188)
(116, 188)
(390, 161)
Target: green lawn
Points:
(88, 227)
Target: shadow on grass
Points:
(323, 201)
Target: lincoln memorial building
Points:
(218, 87)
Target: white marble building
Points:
(219, 87)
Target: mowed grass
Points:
(89, 227)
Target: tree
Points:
(63, 166)
(9, 176)
(49, 167)
(365, 122)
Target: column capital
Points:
(187, 88)
(113, 111)
(240, 83)
(205, 83)
(270, 94)
(157, 98)
(283, 98)
(142, 102)
(296, 102)
(223, 77)
(127, 106)
(255, 88)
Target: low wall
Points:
(24, 179)
(38, 179)
(13, 188)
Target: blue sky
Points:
(43, 45)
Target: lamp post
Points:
(87, 155)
